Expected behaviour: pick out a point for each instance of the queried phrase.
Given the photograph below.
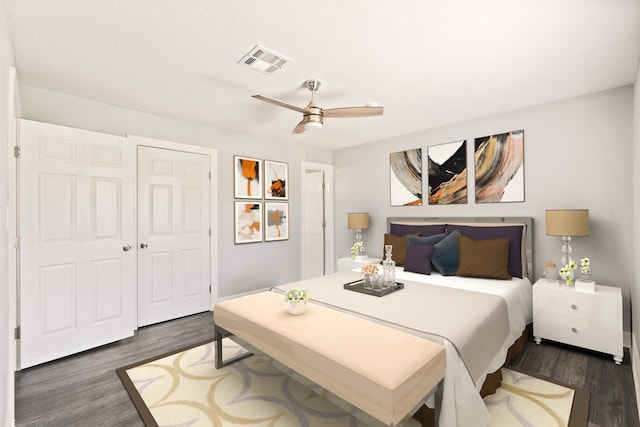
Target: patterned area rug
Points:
(185, 389)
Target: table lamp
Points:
(358, 221)
(567, 223)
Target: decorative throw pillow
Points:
(488, 259)
(423, 230)
(517, 264)
(445, 254)
(400, 244)
(426, 240)
(418, 259)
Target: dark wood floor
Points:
(84, 390)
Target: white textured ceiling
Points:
(429, 63)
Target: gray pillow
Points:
(445, 254)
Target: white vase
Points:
(299, 307)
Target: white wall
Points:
(577, 155)
(244, 267)
(6, 374)
(635, 281)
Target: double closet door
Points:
(113, 235)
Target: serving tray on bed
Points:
(358, 286)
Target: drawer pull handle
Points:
(575, 307)
(575, 330)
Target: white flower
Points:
(584, 262)
(357, 247)
(297, 294)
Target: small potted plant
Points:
(297, 299)
(370, 272)
(567, 273)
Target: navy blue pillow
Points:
(513, 232)
(426, 240)
(424, 230)
(445, 256)
(419, 259)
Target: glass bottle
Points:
(388, 268)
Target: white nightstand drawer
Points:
(593, 307)
(582, 333)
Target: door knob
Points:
(126, 248)
(143, 245)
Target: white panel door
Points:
(314, 224)
(173, 234)
(77, 272)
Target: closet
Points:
(115, 233)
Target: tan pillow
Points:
(400, 245)
(487, 259)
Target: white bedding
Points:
(462, 405)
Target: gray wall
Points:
(6, 61)
(635, 283)
(241, 268)
(577, 155)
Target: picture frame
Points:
(248, 221)
(499, 168)
(447, 173)
(276, 219)
(405, 177)
(247, 177)
(276, 180)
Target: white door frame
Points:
(213, 197)
(328, 213)
(13, 109)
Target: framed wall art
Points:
(248, 221)
(276, 180)
(499, 167)
(277, 220)
(447, 173)
(405, 177)
(247, 174)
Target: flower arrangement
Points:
(357, 249)
(297, 295)
(369, 269)
(585, 270)
(566, 272)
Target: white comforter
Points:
(462, 405)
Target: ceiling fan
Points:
(313, 116)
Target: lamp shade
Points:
(357, 220)
(567, 222)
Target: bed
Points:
(485, 315)
(466, 285)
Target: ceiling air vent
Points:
(264, 60)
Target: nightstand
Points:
(590, 320)
(348, 263)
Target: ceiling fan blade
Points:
(299, 127)
(280, 104)
(365, 111)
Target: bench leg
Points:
(219, 335)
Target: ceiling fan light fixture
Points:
(313, 126)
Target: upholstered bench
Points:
(385, 372)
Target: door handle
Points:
(126, 248)
(143, 245)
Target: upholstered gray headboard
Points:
(526, 221)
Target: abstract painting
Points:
(277, 219)
(248, 225)
(247, 178)
(276, 177)
(405, 177)
(499, 168)
(447, 169)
